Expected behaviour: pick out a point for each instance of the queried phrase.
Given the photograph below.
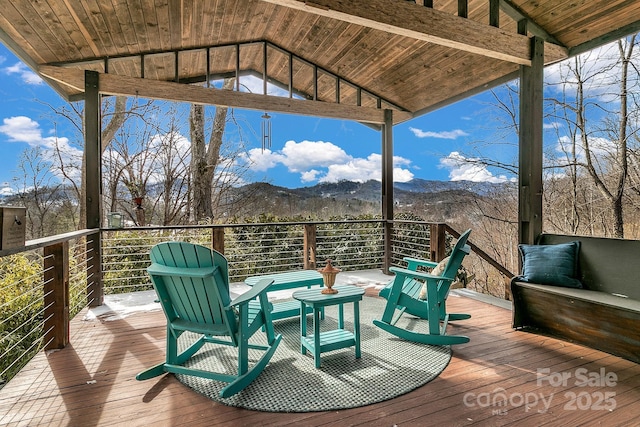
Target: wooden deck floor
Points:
(91, 383)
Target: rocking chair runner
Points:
(192, 284)
(402, 296)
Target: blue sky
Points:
(304, 151)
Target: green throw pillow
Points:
(555, 265)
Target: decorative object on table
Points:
(329, 273)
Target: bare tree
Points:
(43, 192)
(206, 157)
(598, 136)
(114, 114)
(172, 171)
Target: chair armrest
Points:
(417, 262)
(257, 289)
(417, 274)
(163, 270)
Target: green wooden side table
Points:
(320, 342)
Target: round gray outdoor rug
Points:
(389, 367)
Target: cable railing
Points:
(30, 313)
(46, 283)
(251, 249)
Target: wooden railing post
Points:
(56, 295)
(309, 247)
(95, 288)
(217, 237)
(387, 242)
(437, 242)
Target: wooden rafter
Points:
(430, 25)
(516, 14)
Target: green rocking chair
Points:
(192, 283)
(403, 296)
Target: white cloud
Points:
(468, 169)
(22, 129)
(27, 76)
(357, 170)
(599, 72)
(254, 84)
(309, 176)
(25, 130)
(453, 134)
(603, 150)
(176, 149)
(326, 162)
(263, 160)
(6, 190)
(305, 155)
(362, 170)
(552, 125)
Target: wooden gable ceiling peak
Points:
(411, 57)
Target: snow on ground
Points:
(120, 306)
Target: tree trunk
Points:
(200, 189)
(618, 220)
(204, 160)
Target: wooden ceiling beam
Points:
(422, 23)
(132, 86)
(532, 27)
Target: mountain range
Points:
(437, 200)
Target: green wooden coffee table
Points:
(320, 342)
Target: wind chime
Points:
(266, 131)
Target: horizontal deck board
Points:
(59, 388)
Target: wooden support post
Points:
(530, 156)
(437, 242)
(92, 150)
(309, 247)
(56, 295)
(217, 237)
(93, 188)
(387, 188)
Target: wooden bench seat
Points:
(285, 281)
(604, 315)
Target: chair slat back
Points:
(460, 250)
(193, 299)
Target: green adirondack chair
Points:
(192, 283)
(402, 295)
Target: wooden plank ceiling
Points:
(363, 55)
